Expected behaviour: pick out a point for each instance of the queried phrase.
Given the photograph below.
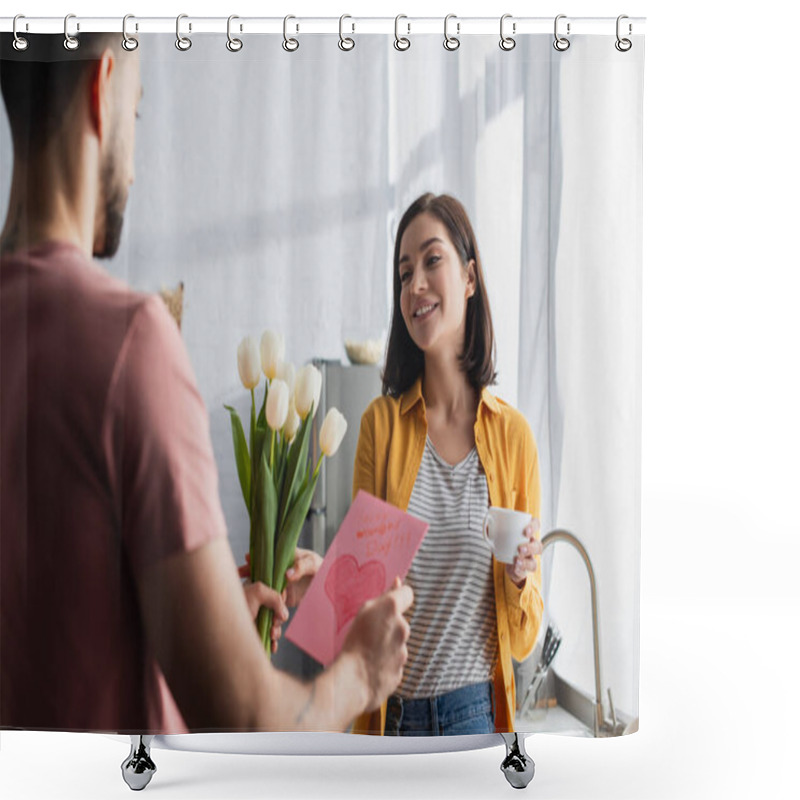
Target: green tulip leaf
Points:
(265, 513)
(290, 533)
(296, 468)
(259, 449)
(262, 414)
(262, 539)
(241, 454)
(281, 465)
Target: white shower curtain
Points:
(271, 184)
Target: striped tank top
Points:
(453, 641)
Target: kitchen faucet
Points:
(601, 728)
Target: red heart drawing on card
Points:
(349, 586)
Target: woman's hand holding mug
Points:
(525, 560)
(512, 536)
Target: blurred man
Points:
(120, 606)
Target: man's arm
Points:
(197, 621)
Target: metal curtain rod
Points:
(460, 26)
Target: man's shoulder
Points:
(101, 287)
(61, 268)
(96, 312)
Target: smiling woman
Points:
(433, 279)
(436, 254)
(471, 613)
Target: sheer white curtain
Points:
(597, 360)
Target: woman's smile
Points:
(425, 311)
(435, 285)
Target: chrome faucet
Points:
(601, 728)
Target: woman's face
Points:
(434, 286)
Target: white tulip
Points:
(273, 348)
(249, 362)
(286, 373)
(277, 404)
(292, 424)
(307, 388)
(332, 432)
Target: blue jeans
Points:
(463, 711)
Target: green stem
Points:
(264, 622)
(252, 465)
(252, 417)
(252, 449)
(272, 436)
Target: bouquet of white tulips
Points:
(275, 471)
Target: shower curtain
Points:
(270, 184)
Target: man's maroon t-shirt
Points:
(106, 466)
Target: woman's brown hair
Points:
(404, 360)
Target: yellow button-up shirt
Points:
(390, 447)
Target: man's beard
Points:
(115, 197)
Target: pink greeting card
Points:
(375, 544)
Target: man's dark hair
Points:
(404, 360)
(40, 83)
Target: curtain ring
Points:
(234, 45)
(623, 45)
(401, 42)
(289, 45)
(183, 43)
(70, 42)
(561, 43)
(451, 42)
(129, 43)
(507, 42)
(345, 42)
(20, 42)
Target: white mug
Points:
(504, 530)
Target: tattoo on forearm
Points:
(307, 706)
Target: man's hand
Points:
(378, 638)
(298, 576)
(259, 594)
